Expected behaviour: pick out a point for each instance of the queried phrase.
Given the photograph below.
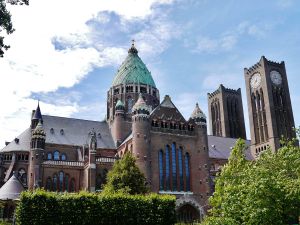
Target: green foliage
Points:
(41, 207)
(125, 177)
(265, 191)
(5, 21)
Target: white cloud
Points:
(285, 3)
(34, 65)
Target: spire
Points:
(133, 50)
(39, 130)
(141, 107)
(119, 105)
(198, 116)
(37, 114)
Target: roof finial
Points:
(133, 50)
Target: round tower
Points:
(141, 136)
(201, 156)
(38, 139)
(119, 123)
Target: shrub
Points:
(41, 207)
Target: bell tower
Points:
(270, 109)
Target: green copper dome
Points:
(133, 70)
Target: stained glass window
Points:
(187, 172)
(161, 170)
(61, 180)
(181, 186)
(167, 168)
(174, 172)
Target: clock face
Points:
(276, 77)
(255, 80)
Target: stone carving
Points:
(93, 140)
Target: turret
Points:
(38, 139)
(36, 117)
(200, 156)
(141, 136)
(119, 123)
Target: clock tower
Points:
(269, 104)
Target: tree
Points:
(265, 191)
(125, 177)
(5, 21)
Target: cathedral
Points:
(176, 155)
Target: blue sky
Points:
(68, 57)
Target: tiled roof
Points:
(220, 147)
(133, 71)
(66, 131)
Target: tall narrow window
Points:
(61, 180)
(54, 186)
(129, 104)
(161, 170)
(174, 172)
(187, 172)
(181, 182)
(167, 168)
(49, 156)
(48, 184)
(56, 155)
(67, 182)
(72, 185)
(63, 157)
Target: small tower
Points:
(36, 117)
(119, 123)
(141, 136)
(226, 115)
(38, 139)
(200, 156)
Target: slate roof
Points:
(76, 131)
(66, 131)
(22, 145)
(220, 147)
(133, 71)
(12, 189)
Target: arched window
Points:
(129, 104)
(72, 185)
(174, 172)
(161, 170)
(63, 157)
(61, 180)
(180, 168)
(49, 184)
(49, 156)
(56, 155)
(54, 186)
(67, 182)
(187, 172)
(167, 168)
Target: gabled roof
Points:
(133, 71)
(167, 111)
(12, 189)
(220, 147)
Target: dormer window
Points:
(51, 131)
(62, 132)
